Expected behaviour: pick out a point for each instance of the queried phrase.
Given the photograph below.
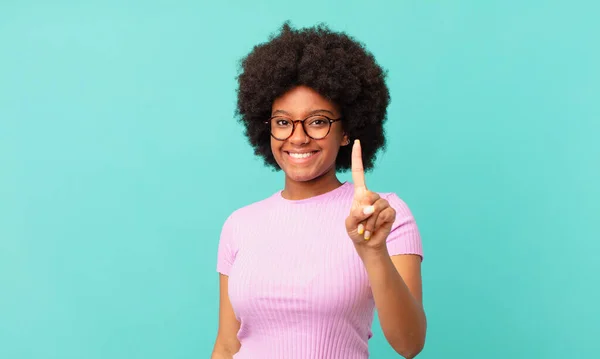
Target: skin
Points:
(395, 280)
(301, 180)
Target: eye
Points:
(318, 121)
(281, 122)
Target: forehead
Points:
(302, 101)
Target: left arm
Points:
(395, 281)
(396, 286)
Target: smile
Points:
(301, 155)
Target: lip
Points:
(301, 160)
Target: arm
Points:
(226, 343)
(396, 286)
(395, 281)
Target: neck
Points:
(297, 190)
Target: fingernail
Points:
(367, 235)
(361, 229)
(369, 210)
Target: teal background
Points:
(120, 159)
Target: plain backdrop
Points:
(120, 158)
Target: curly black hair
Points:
(333, 64)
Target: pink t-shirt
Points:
(296, 283)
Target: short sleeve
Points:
(226, 250)
(404, 237)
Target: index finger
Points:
(358, 172)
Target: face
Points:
(301, 157)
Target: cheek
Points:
(274, 145)
(333, 142)
(331, 147)
(276, 149)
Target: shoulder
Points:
(252, 212)
(397, 203)
(395, 200)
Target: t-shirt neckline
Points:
(327, 195)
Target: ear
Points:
(345, 140)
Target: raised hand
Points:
(371, 217)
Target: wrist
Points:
(372, 254)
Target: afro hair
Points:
(333, 64)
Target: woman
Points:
(302, 271)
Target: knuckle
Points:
(371, 222)
(381, 205)
(392, 213)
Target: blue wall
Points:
(120, 159)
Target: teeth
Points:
(301, 155)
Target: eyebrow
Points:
(277, 112)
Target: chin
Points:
(304, 174)
(301, 176)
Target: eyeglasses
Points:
(316, 127)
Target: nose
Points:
(299, 137)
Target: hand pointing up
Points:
(371, 217)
